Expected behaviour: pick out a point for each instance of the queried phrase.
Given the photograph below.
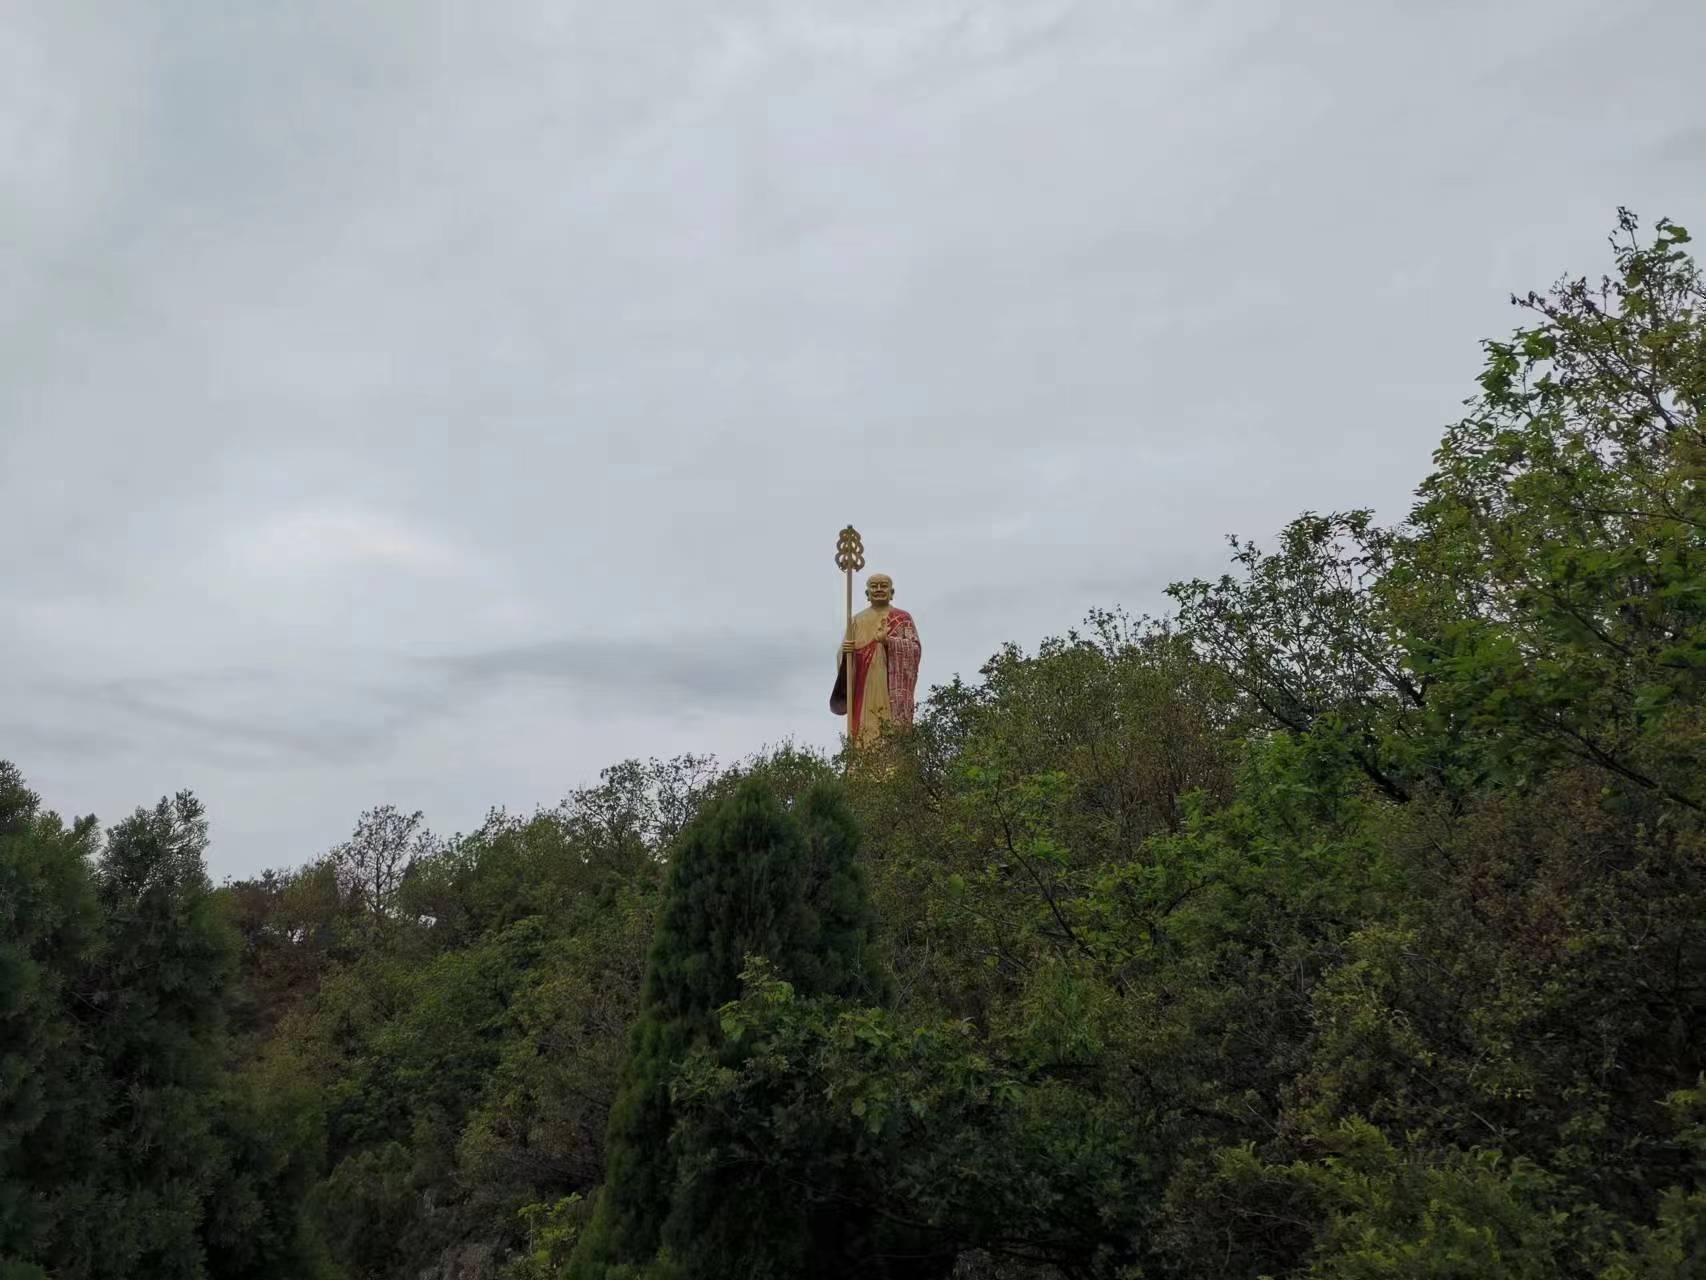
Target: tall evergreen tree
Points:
(143, 1136)
(748, 878)
(48, 925)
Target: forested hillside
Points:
(1349, 922)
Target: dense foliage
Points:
(133, 1142)
(1350, 923)
(748, 878)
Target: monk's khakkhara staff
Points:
(849, 555)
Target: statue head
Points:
(879, 589)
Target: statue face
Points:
(879, 589)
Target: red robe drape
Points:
(902, 651)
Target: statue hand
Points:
(847, 647)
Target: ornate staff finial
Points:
(849, 550)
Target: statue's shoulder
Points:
(899, 617)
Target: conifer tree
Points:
(144, 1136)
(48, 924)
(748, 878)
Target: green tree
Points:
(48, 928)
(1551, 580)
(373, 864)
(269, 1124)
(137, 1145)
(747, 878)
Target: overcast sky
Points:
(432, 403)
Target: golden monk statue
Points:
(884, 646)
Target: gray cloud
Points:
(712, 671)
(243, 717)
(392, 396)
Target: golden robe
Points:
(886, 651)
